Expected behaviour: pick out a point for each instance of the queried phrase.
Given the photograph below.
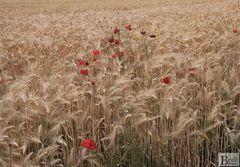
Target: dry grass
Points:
(47, 107)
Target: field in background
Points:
(31, 6)
(162, 92)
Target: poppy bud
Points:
(235, 30)
(192, 68)
(110, 40)
(153, 36)
(116, 30)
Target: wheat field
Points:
(153, 83)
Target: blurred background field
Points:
(32, 6)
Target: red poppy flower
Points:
(84, 71)
(81, 62)
(117, 42)
(153, 36)
(166, 80)
(128, 27)
(143, 32)
(120, 54)
(96, 52)
(114, 55)
(89, 144)
(116, 30)
(235, 30)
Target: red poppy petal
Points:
(84, 72)
(89, 144)
(96, 52)
(166, 80)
